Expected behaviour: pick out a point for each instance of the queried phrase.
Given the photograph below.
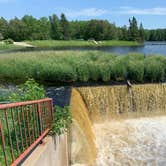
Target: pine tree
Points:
(141, 33)
(133, 30)
(65, 27)
(4, 27)
(55, 27)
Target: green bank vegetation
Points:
(4, 46)
(70, 66)
(80, 43)
(59, 28)
(30, 90)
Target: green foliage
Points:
(55, 27)
(30, 90)
(100, 30)
(141, 33)
(62, 120)
(82, 70)
(118, 69)
(135, 71)
(65, 27)
(93, 71)
(1, 37)
(79, 43)
(71, 66)
(8, 41)
(4, 95)
(155, 35)
(154, 70)
(133, 30)
(31, 28)
(105, 72)
(4, 28)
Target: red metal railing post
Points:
(52, 109)
(3, 143)
(39, 117)
(21, 127)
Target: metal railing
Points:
(22, 127)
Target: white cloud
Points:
(125, 10)
(138, 11)
(90, 12)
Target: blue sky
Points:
(151, 12)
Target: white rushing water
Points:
(131, 142)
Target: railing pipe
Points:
(23, 125)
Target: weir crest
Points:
(117, 125)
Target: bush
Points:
(93, 71)
(68, 66)
(30, 90)
(83, 74)
(118, 69)
(105, 72)
(62, 120)
(154, 71)
(135, 71)
(1, 36)
(8, 41)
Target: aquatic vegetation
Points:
(85, 66)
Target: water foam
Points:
(131, 142)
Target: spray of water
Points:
(132, 142)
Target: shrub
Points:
(1, 36)
(93, 71)
(135, 71)
(68, 66)
(8, 41)
(30, 90)
(118, 69)
(62, 120)
(105, 72)
(83, 74)
(154, 70)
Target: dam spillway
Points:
(117, 125)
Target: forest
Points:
(59, 28)
(55, 28)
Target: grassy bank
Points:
(8, 46)
(70, 66)
(79, 43)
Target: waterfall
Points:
(113, 123)
(83, 149)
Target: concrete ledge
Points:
(52, 152)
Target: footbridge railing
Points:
(23, 125)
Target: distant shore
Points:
(64, 44)
(81, 43)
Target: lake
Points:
(148, 48)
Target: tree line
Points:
(155, 35)
(59, 28)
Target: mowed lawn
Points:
(81, 43)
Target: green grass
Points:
(79, 43)
(75, 66)
(8, 47)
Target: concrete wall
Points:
(52, 152)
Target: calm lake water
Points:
(148, 49)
